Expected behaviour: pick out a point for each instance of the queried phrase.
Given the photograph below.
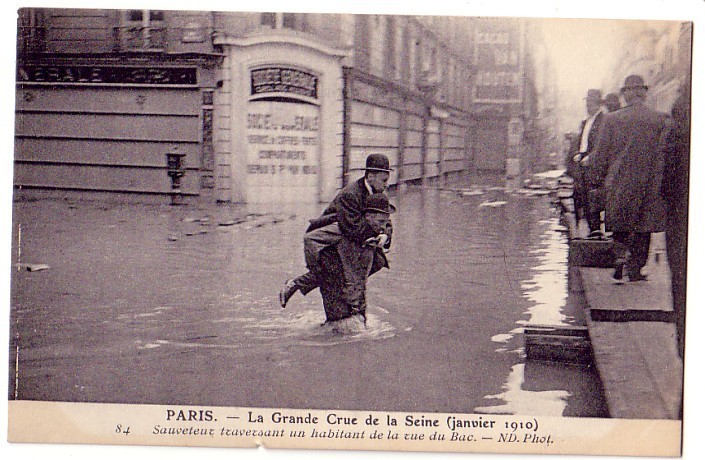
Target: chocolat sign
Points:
(266, 80)
(498, 55)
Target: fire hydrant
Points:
(175, 169)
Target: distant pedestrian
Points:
(675, 190)
(570, 142)
(347, 210)
(629, 156)
(587, 134)
(612, 102)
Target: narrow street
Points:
(153, 304)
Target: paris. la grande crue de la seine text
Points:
(334, 425)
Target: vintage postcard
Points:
(346, 228)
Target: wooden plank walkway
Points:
(634, 346)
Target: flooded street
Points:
(152, 304)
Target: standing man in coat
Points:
(347, 210)
(587, 136)
(595, 193)
(630, 156)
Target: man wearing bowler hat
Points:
(629, 158)
(584, 144)
(347, 210)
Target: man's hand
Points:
(585, 160)
(576, 158)
(377, 241)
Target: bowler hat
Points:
(594, 95)
(378, 202)
(634, 81)
(377, 162)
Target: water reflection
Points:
(547, 289)
(518, 401)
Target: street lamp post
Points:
(175, 169)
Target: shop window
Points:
(400, 52)
(142, 30)
(289, 21)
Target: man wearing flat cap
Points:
(629, 159)
(347, 212)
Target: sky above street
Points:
(585, 53)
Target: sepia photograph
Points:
(294, 226)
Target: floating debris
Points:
(197, 232)
(533, 191)
(172, 238)
(492, 204)
(229, 223)
(201, 220)
(33, 267)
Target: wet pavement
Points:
(154, 304)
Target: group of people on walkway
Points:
(630, 165)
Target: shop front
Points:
(279, 120)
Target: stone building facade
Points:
(266, 107)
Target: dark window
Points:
(143, 30)
(134, 15)
(269, 20)
(289, 21)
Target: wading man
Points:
(340, 266)
(347, 210)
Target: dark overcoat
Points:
(629, 157)
(589, 178)
(347, 208)
(342, 267)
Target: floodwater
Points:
(154, 304)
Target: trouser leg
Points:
(307, 282)
(621, 246)
(333, 287)
(593, 219)
(639, 252)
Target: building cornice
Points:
(281, 37)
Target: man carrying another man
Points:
(346, 244)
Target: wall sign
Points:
(282, 154)
(106, 74)
(498, 55)
(286, 80)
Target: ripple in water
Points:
(304, 328)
